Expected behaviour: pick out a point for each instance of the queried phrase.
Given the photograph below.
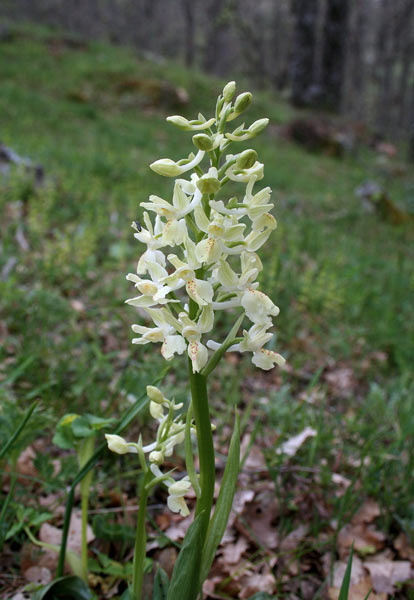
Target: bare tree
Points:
(302, 80)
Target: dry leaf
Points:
(40, 575)
(293, 444)
(369, 511)
(255, 460)
(178, 529)
(77, 305)
(292, 541)
(386, 573)
(357, 591)
(357, 571)
(166, 559)
(25, 465)
(365, 538)
(342, 381)
(257, 583)
(232, 553)
(259, 517)
(341, 480)
(403, 547)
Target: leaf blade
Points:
(224, 502)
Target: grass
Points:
(343, 278)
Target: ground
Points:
(92, 117)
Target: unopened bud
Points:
(155, 394)
(117, 444)
(258, 126)
(166, 167)
(242, 102)
(156, 410)
(203, 142)
(209, 183)
(246, 159)
(156, 457)
(228, 91)
(179, 121)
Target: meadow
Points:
(341, 273)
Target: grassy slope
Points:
(343, 278)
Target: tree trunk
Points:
(334, 52)
(188, 9)
(305, 14)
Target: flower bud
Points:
(179, 121)
(155, 394)
(246, 159)
(242, 102)
(156, 410)
(209, 183)
(166, 167)
(228, 90)
(156, 457)
(257, 127)
(117, 444)
(203, 142)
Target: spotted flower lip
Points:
(201, 249)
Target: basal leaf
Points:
(224, 503)
(185, 580)
(69, 588)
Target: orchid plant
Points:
(200, 259)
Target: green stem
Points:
(140, 542)
(84, 540)
(85, 452)
(199, 396)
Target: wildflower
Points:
(213, 264)
(117, 444)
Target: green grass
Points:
(343, 278)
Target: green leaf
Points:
(185, 580)
(262, 596)
(111, 567)
(105, 529)
(344, 591)
(224, 503)
(64, 588)
(18, 431)
(161, 584)
(81, 428)
(229, 341)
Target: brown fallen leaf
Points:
(178, 529)
(385, 574)
(41, 575)
(342, 381)
(292, 541)
(252, 584)
(401, 544)
(365, 538)
(25, 466)
(368, 512)
(166, 559)
(358, 591)
(357, 571)
(232, 553)
(258, 518)
(292, 445)
(255, 461)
